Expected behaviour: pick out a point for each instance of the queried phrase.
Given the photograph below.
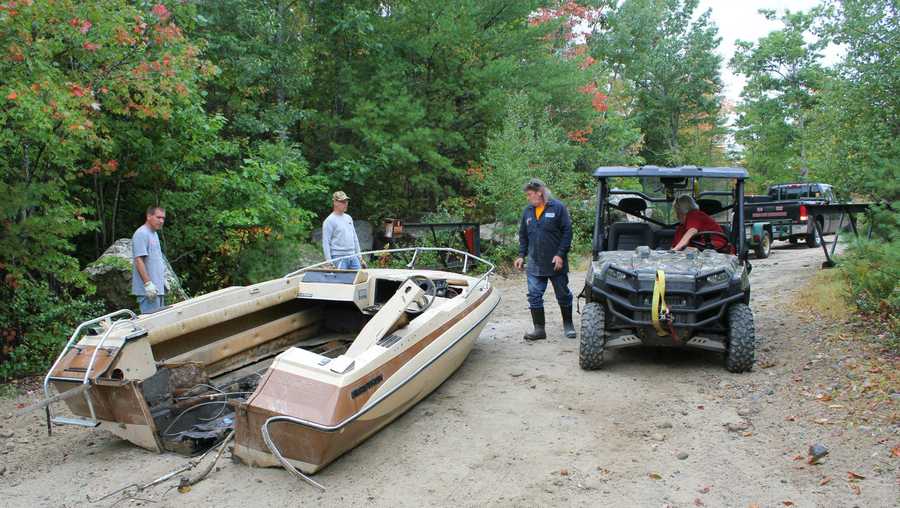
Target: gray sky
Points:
(740, 19)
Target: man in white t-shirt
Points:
(339, 236)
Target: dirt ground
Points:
(521, 425)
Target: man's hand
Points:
(150, 289)
(519, 263)
(362, 262)
(557, 263)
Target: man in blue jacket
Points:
(545, 236)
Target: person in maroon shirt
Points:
(692, 221)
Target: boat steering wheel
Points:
(703, 240)
(422, 303)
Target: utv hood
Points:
(644, 262)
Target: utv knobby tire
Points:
(741, 352)
(593, 336)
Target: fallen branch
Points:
(68, 394)
(168, 476)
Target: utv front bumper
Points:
(694, 302)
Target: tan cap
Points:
(340, 196)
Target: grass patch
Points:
(825, 295)
(8, 391)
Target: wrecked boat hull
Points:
(320, 439)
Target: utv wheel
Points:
(812, 239)
(741, 352)
(593, 336)
(764, 247)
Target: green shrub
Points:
(872, 272)
(35, 322)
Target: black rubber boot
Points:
(537, 317)
(568, 325)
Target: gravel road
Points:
(521, 425)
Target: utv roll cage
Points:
(682, 177)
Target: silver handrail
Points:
(75, 335)
(415, 251)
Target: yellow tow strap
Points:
(659, 302)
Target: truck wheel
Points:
(741, 352)
(593, 336)
(812, 239)
(764, 247)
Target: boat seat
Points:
(629, 235)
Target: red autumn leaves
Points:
(108, 167)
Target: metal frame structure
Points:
(603, 174)
(412, 263)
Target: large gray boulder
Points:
(111, 274)
(363, 233)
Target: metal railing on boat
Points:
(86, 381)
(412, 263)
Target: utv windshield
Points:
(712, 193)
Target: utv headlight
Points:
(717, 278)
(616, 274)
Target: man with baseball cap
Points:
(339, 236)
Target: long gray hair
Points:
(537, 185)
(685, 203)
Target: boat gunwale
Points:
(368, 407)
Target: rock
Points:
(658, 437)
(746, 411)
(6, 434)
(664, 425)
(363, 233)
(682, 455)
(111, 273)
(739, 426)
(517, 373)
(10, 446)
(895, 396)
(816, 452)
(2, 469)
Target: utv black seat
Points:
(709, 206)
(629, 235)
(633, 206)
(663, 239)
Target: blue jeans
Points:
(538, 284)
(348, 263)
(149, 305)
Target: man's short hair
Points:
(151, 210)
(685, 203)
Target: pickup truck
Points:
(781, 214)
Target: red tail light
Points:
(803, 215)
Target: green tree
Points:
(857, 118)
(87, 88)
(783, 73)
(666, 62)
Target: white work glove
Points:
(150, 289)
